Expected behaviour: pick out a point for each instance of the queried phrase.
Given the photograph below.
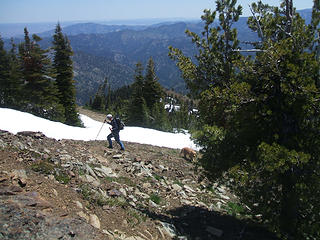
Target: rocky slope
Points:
(69, 189)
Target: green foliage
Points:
(4, 72)
(155, 198)
(137, 216)
(62, 177)
(99, 100)
(234, 209)
(31, 83)
(39, 93)
(86, 192)
(138, 111)
(14, 82)
(152, 91)
(215, 61)
(146, 108)
(63, 68)
(130, 104)
(121, 180)
(43, 167)
(157, 177)
(258, 115)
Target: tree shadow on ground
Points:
(197, 223)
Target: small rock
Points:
(186, 202)
(19, 145)
(3, 179)
(106, 171)
(51, 177)
(134, 238)
(123, 191)
(137, 159)
(2, 144)
(153, 204)
(55, 192)
(170, 229)
(163, 169)
(146, 185)
(125, 223)
(94, 221)
(79, 204)
(71, 174)
(90, 171)
(176, 187)
(47, 151)
(114, 193)
(65, 157)
(10, 190)
(224, 197)
(83, 215)
(117, 156)
(188, 189)
(16, 174)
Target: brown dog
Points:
(186, 151)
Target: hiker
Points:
(115, 129)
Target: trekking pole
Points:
(99, 131)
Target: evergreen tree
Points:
(118, 101)
(15, 80)
(152, 90)
(64, 76)
(315, 24)
(108, 97)
(39, 92)
(99, 100)
(138, 111)
(260, 117)
(4, 74)
(217, 55)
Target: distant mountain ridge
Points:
(92, 28)
(112, 51)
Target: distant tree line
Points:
(39, 81)
(143, 102)
(259, 116)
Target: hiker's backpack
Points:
(120, 123)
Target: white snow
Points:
(170, 107)
(15, 121)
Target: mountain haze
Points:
(112, 51)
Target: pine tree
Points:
(39, 91)
(260, 116)
(63, 66)
(138, 111)
(160, 119)
(15, 80)
(315, 25)
(216, 47)
(99, 101)
(4, 75)
(152, 90)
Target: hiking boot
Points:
(110, 147)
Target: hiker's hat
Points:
(109, 116)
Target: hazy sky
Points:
(15, 11)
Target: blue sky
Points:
(19, 11)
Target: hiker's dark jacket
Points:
(115, 127)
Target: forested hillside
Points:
(112, 51)
(90, 71)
